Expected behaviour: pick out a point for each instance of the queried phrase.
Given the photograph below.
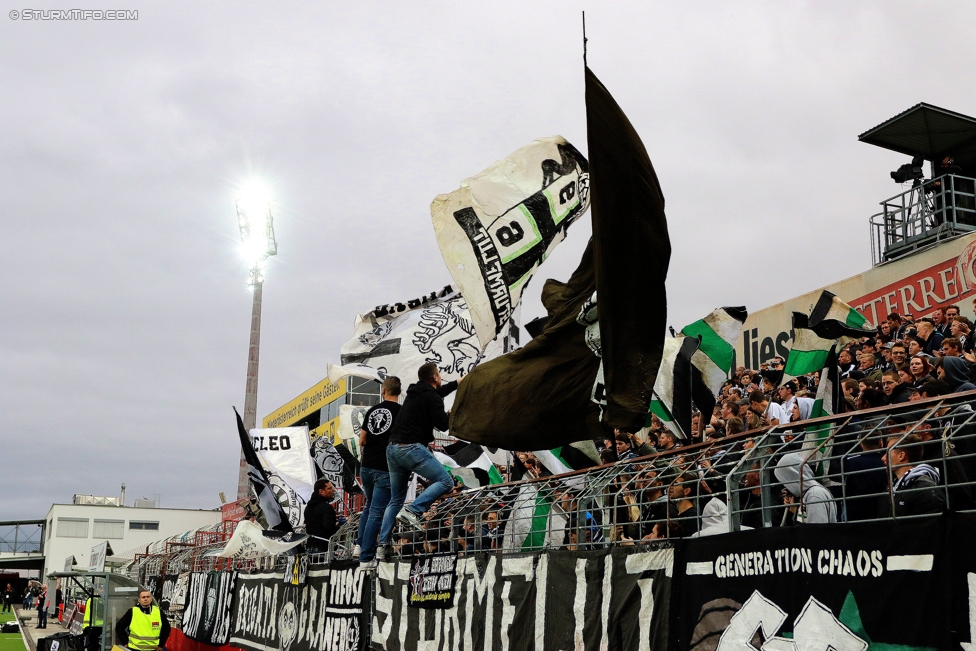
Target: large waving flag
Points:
(469, 463)
(498, 227)
(809, 351)
(832, 318)
(261, 484)
(594, 364)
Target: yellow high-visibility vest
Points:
(88, 615)
(144, 629)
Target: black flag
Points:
(631, 254)
(552, 391)
(273, 513)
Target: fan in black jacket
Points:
(320, 517)
(916, 489)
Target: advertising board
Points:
(915, 285)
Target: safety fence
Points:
(827, 470)
(831, 469)
(621, 556)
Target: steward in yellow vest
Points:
(144, 627)
(90, 607)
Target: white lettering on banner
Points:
(541, 579)
(579, 602)
(477, 588)
(638, 564)
(403, 574)
(793, 560)
(512, 567)
(815, 628)
(383, 605)
(757, 612)
(911, 562)
(971, 645)
(605, 603)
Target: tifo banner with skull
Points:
(902, 584)
(326, 613)
(206, 617)
(498, 227)
(398, 338)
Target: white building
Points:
(73, 529)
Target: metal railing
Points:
(828, 469)
(928, 212)
(715, 487)
(22, 537)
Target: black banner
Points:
(206, 617)
(432, 580)
(560, 600)
(894, 585)
(325, 613)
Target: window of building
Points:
(143, 525)
(363, 392)
(72, 527)
(50, 527)
(108, 529)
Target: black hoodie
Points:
(422, 411)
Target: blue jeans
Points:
(376, 483)
(403, 460)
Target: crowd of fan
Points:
(668, 486)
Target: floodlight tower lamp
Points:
(257, 244)
(256, 224)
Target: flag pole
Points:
(584, 39)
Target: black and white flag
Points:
(267, 500)
(397, 338)
(498, 227)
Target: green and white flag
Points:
(470, 464)
(568, 458)
(809, 351)
(827, 403)
(832, 318)
(674, 385)
(534, 522)
(718, 331)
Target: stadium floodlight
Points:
(258, 244)
(257, 230)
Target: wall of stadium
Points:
(917, 285)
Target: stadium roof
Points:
(929, 131)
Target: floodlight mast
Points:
(257, 236)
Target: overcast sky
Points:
(125, 314)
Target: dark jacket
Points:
(957, 374)
(916, 494)
(901, 393)
(933, 343)
(865, 480)
(421, 413)
(320, 520)
(122, 628)
(940, 455)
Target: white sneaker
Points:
(409, 518)
(356, 551)
(382, 552)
